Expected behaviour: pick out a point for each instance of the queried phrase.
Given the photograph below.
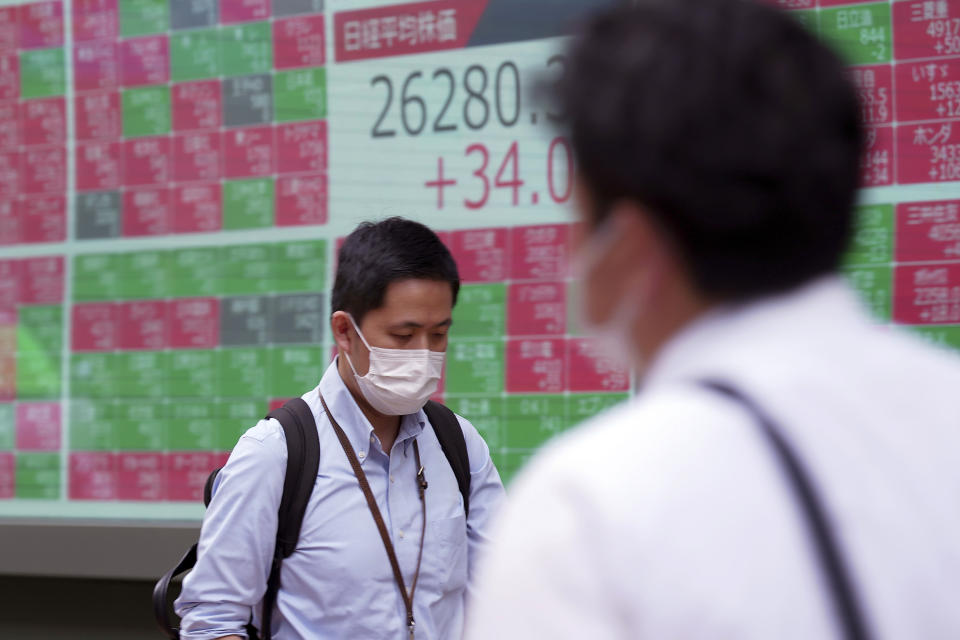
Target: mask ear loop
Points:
(364, 340)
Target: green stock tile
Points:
(143, 274)
(475, 366)
(95, 375)
(192, 374)
(38, 475)
(6, 427)
(874, 285)
(873, 236)
(248, 204)
(39, 375)
(246, 269)
(47, 490)
(192, 425)
(944, 336)
(146, 111)
(93, 436)
(143, 374)
(512, 462)
(531, 420)
(247, 48)
(92, 423)
(141, 17)
(295, 370)
(40, 329)
(42, 73)
(300, 94)
(485, 413)
(228, 433)
(861, 33)
(234, 418)
(243, 373)
(582, 406)
(194, 55)
(481, 311)
(141, 426)
(194, 272)
(37, 462)
(96, 276)
(497, 456)
(300, 266)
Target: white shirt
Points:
(669, 517)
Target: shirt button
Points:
(371, 439)
(391, 478)
(400, 533)
(362, 455)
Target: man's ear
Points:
(627, 254)
(340, 327)
(654, 256)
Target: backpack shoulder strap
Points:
(160, 601)
(450, 435)
(303, 461)
(208, 486)
(160, 606)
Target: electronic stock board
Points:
(175, 176)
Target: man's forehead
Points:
(414, 324)
(418, 291)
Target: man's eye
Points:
(440, 335)
(402, 337)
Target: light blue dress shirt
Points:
(338, 583)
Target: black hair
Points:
(731, 124)
(378, 253)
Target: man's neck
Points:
(673, 316)
(386, 427)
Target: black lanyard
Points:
(847, 608)
(378, 518)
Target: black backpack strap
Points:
(450, 435)
(160, 612)
(303, 462)
(208, 486)
(849, 614)
(187, 562)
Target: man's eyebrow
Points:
(410, 324)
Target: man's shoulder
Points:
(264, 431)
(932, 360)
(263, 441)
(639, 440)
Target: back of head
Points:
(376, 254)
(732, 125)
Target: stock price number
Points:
(489, 95)
(558, 169)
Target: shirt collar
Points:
(754, 337)
(411, 426)
(355, 425)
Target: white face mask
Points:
(614, 334)
(399, 381)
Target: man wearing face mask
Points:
(788, 468)
(395, 288)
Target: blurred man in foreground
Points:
(788, 469)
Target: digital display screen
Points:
(176, 175)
